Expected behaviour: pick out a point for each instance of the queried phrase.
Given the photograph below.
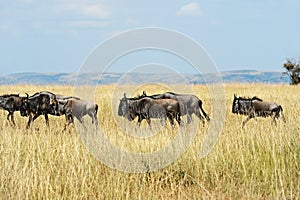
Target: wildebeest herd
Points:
(167, 105)
(47, 103)
(164, 106)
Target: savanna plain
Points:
(259, 161)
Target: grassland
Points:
(261, 161)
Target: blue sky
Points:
(57, 35)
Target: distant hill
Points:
(242, 76)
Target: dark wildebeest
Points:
(39, 104)
(75, 107)
(256, 107)
(11, 103)
(58, 102)
(146, 108)
(189, 104)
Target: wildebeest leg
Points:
(46, 119)
(12, 118)
(69, 120)
(94, 118)
(281, 113)
(283, 118)
(274, 120)
(29, 121)
(189, 117)
(163, 120)
(79, 117)
(148, 121)
(246, 120)
(11, 115)
(178, 119)
(171, 119)
(275, 113)
(139, 120)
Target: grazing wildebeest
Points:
(146, 108)
(256, 107)
(189, 104)
(11, 103)
(38, 104)
(75, 107)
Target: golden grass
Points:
(260, 161)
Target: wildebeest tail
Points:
(96, 108)
(204, 113)
(281, 111)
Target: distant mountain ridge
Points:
(241, 76)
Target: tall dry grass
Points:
(260, 161)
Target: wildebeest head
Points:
(235, 104)
(24, 105)
(123, 106)
(124, 110)
(54, 107)
(242, 105)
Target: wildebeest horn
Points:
(27, 95)
(144, 93)
(125, 95)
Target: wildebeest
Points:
(11, 103)
(78, 108)
(256, 107)
(38, 104)
(146, 108)
(189, 104)
(61, 102)
(44, 103)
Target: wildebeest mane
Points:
(70, 97)
(43, 93)
(249, 98)
(34, 95)
(9, 95)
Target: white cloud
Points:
(85, 9)
(191, 9)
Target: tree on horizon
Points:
(292, 67)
